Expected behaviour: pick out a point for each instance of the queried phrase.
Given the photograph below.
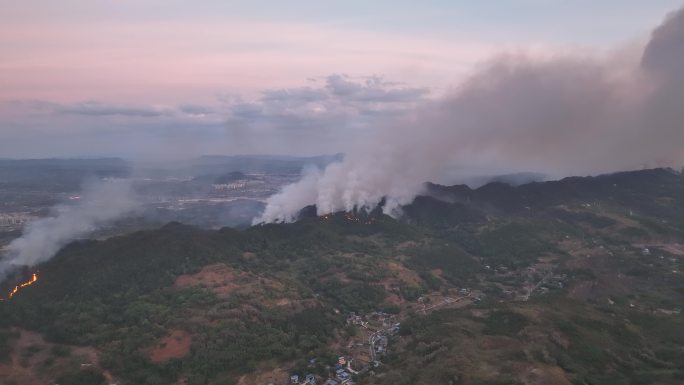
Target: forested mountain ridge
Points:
(574, 281)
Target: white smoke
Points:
(559, 115)
(100, 202)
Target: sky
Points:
(174, 78)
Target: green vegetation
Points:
(82, 377)
(505, 323)
(456, 265)
(560, 284)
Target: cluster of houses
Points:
(309, 379)
(14, 219)
(380, 327)
(383, 320)
(342, 376)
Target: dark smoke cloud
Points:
(559, 115)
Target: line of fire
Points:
(355, 216)
(20, 286)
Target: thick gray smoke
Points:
(560, 115)
(101, 202)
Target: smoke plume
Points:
(100, 202)
(558, 115)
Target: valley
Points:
(577, 281)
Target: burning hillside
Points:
(21, 285)
(352, 216)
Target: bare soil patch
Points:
(545, 376)
(226, 281)
(220, 278)
(175, 345)
(403, 274)
(265, 376)
(32, 361)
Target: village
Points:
(363, 352)
(370, 342)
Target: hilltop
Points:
(577, 281)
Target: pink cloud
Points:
(168, 62)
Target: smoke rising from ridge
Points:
(560, 115)
(101, 202)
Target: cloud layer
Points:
(136, 79)
(309, 120)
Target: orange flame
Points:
(353, 217)
(34, 279)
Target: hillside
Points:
(577, 281)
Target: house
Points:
(294, 379)
(310, 379)
(354, 319)
(343, 376)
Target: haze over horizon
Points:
(342, 192)
(173, 79)
(409, 93)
